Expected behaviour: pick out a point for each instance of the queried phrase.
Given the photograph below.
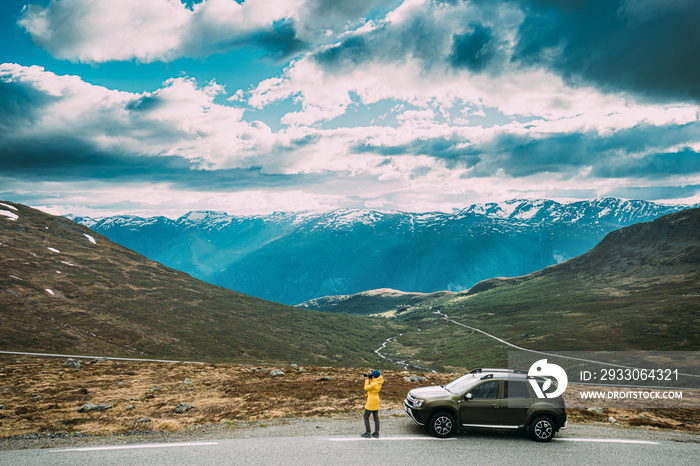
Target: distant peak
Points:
(197, 215)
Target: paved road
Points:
(391, 450)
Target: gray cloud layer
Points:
(650, 47)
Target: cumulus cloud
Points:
(64, 122)
(98, 31)
(180, 119)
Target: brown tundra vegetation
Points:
(40, 395)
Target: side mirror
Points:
(468, 396)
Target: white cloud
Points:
(97, 31)
(106, 30)
(179, 119)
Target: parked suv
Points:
(492, 398)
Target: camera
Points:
(368, 375)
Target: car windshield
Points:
(461, 384)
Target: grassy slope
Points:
(371, 302)
(112, 301)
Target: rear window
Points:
(516, 389)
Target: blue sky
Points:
(161, 107)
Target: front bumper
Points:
(409, 412)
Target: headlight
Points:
(417, 403)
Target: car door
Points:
(483, 406)
(517, 401)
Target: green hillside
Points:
(66, 289)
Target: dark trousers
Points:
(376, 420)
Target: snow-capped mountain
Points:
(294, 257)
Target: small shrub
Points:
(168, 425)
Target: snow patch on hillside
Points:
(90, 238)
(11, 207)
(54, 250)
(8, 214)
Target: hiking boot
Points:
(375, 435)
(365, 435)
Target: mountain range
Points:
(66, 289)
(638, 289)
(295, 257)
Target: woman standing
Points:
(373, 384)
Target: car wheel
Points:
(442, 425)
(542, 429)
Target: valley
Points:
(637, 290)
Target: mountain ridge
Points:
(294, 257)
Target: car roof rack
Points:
(512, 371)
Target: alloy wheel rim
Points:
(543, 429)
(443, 425)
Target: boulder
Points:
(38, 397)
(101, 359)
(71, 364)
(130, 407)
(143, 419)
(87, 407)
(414, 378)
(187, 382)
(276, 373)
(597, 410)
(183, 408)
(325, 378)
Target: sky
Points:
(160, 107)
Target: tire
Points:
(542, 429)
(442, 425)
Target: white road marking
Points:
(363, 439)
(606, 440)
(150, 445)
(95, 357)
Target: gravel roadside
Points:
(393, 423)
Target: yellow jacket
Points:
(372, 387)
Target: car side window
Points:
(488, 390)
(515, 389)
